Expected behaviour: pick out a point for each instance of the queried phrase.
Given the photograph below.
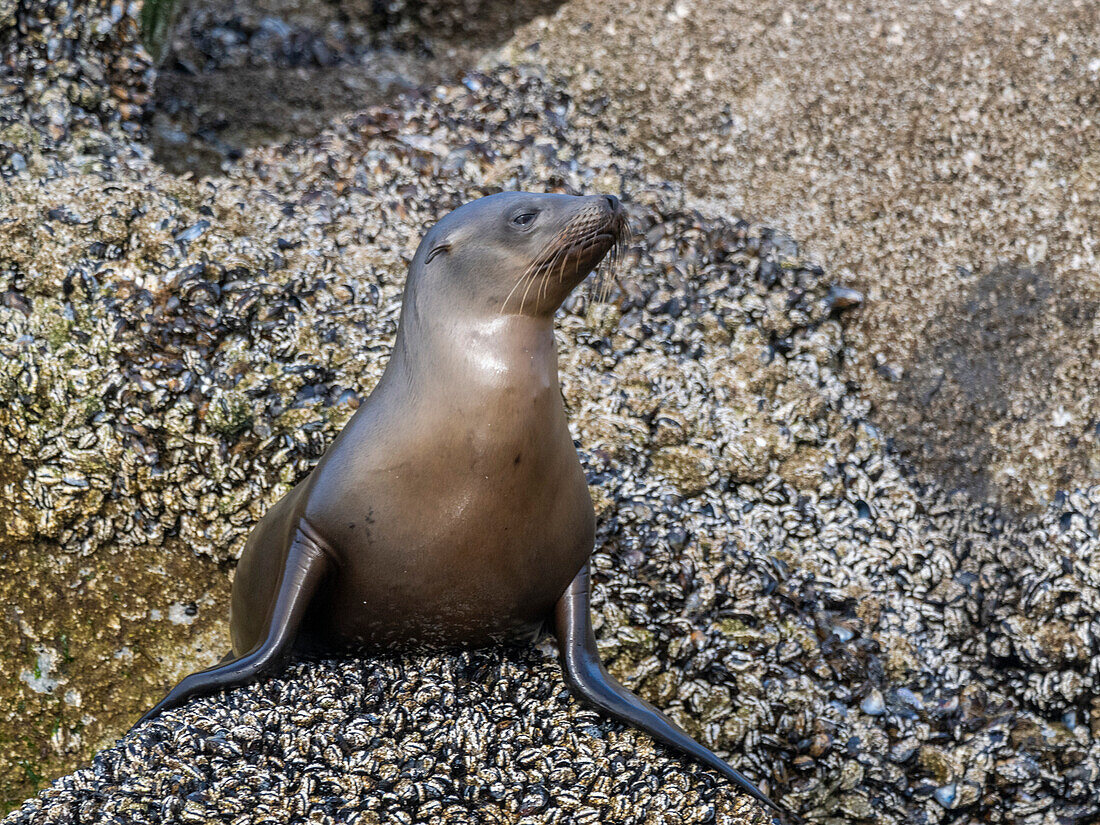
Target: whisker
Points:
(561, 264)
(523, 300)
(532, 270)
(542, 266)
(515, 286)
(559, 249)
(560, 253)
(608, 269)
(545, 285)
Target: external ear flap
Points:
(439, 249)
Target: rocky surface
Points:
(487, 737)
(67, 68)
(179, 353)
(941, 157)
(863, 645)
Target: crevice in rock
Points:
(267, 71)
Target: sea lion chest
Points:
(457, 515)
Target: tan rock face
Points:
(932, 151)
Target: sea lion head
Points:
(517, 253)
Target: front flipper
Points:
(589, 681)
(307, 563)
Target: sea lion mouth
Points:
(575, 253)
(582, 246)
(612, 245)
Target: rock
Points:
(158, 393)
(873, 704)
(178, 354)
(946, 795)
(54, 89)
(485, 736)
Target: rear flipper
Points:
(590, 682)
(306, 566)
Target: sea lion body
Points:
(448, 525)
(452, 509)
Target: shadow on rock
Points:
(990, 352)
(241, 75)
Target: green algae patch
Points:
(157, 17)
(738, 632)
(92, 643)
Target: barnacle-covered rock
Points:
(72, 72)
(489, 736)
(176, 354)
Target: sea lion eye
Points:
(524, 219)
(439, 249)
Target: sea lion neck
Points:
(437, 346)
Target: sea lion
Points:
(452, 509)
